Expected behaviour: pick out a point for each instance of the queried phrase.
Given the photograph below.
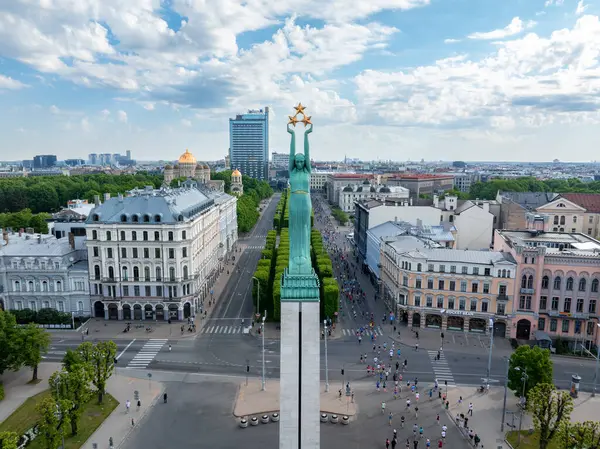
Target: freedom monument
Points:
(300, 347)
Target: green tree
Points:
(536, 362)
(549, 408)
(579, 435)
(73, 386)
(8, 440)
(32, 344)
(39, 224)
(100, 364)
(42, 197)
(52, 424)
(8, 347)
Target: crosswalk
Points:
(143, 358)
(261, 247)
(223, 330)
(367, 332)
(440, 368)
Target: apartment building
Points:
(448, 289)
(366, 191)
(423, 184)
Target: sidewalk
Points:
(272, 333)
(487, 412)
(252, 401)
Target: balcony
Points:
(109, 280)
(502, 298)
(527, 291)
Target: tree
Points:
(8, 347)
(33, 342)
(549, 409)
(74, 386)
(8, 440)
(100, 364)
(536, 362)
(52, 423)
(579, 435)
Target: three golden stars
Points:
(305, 118)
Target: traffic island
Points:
(251, 401)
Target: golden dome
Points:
(187, 158)
(236, 172)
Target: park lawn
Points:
(25, 417)
(527, 441)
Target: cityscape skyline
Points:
(515, 81)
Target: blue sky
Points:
(383, 79)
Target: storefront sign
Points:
(458, 312)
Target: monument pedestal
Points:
(299, 425)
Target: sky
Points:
(404, 80)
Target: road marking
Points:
(143, 358)
(126, 348)
(441, 370)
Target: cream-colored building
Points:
(187, 167)
(237, 187)
(366, 191)
(571, 212)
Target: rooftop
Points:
(395, 228)
(529, 200)
(563, 243)
(422, 176)
(38, 245)
(589, 201)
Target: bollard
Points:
(334, 419)
(243, 423)
(254, 421)
(345, 420)
(275, 417)
(264, 419)
(324, 417)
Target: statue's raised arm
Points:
(292, 147)
(307, 149)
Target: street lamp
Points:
(489, 367)
(326, 370)
(263, 352)
(524, 379)
(257, 294)
(505, 390)
(597, 359)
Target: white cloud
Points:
(554, 2)
(122, 115)
(148, 105)
(581, 8)
(85, 124)
(105, 113)
(54, 109)
(186, 123)
(515, 26)
(9, 83)
(451, 41)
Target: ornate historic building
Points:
(237, 188)
(187, 167)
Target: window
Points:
(565, 326)
(61, 306)
(58, 286)
(541, 324)
(562, 220)
(419, 267)
(556, 219)
(136, 290)
(569, 285)
(159, 290)
(157, 253)
(171, 253)
(476, 271)
(108, 235)
(122, 235)
(574, 218)
(461, 304)
(567, 305)
(96, 251)
(579, 305)
(452, 268)
(589, 231)
(526, 259)
(525, 302)
(146, 218)
(184, 252)
(125, 274)
(545, 281)
(524, 281)
(148, 290)
(591, 220)
(94, 235)
(582, 284)
(172, 274)
(590, 327)
(463, 286)
(429, 301)
(553, 324)
(543, 302)
(502, 290)
(170, 236)
(158, 274)
(185, 272)
(474, 287)
(145, 236)
(156, 236)
(557, 283)
(554, 305)
(417, 301)
(146, 253)
(157, 218)
(595, 286)
(109, 253)
(430, 283)
(136, 273)
(487, 272)
(147, 274)
(440, 302)
(484, 306)
(124, 253)
(97, 272)
(44, 286)
(418, 283)
(126, 290)
(465, 270)
(441, 284)
(500, 308)
(183, 235)
(486, 288)
(442, 268)
(452, 286)
(405, 281)
(473, 305)
(592, 306)
(133, 235)
(451, 303)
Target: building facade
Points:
(337, 181)
(156, 253)
(40, 272)
(423, 184)
(249, 143)
(557, 289)
(237, 186)
(366, 191)
(318, 180)
(572, 212)
(44, 161)
(448, 289)
(187, 167)
(280, 160)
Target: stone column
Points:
(105, 312)
(444, 322)
(466, 324)
(120, 311)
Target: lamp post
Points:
(257, 294)
(524, 379)
(597, 360)
(489, 367)
(505, 390)
(263, 352)
(326, 368)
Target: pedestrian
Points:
(459, 400)
(415, 430)
(416, 412)
(382, 407)
(437, 419)
(394, 442)
(428, 443)
(466, 422)
(440, 444)
(127, 405)
(402, 421)
(407, 443)
(477, 440)
(416, 444)
(430, 394)
(139, 404)
(387, 443)
(443, 435)
(132, 422)
(470, 412)
(165, 397)
(390, 419)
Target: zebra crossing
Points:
(222, 330)
(367, 332)
(440, 368)
(261, 247)
(143, 358)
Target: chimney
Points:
(486, 206)
(106, 197)
(72, 240)
(40, 238)
(96, 200)
(436, 201)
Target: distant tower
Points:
(237, 188)
(168, 175)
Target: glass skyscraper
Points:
(249, 143)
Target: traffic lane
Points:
(226, 307)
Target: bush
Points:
(1, 391)
(43, 316)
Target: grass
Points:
(528, 441)
(25, 417)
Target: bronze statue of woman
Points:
(300, 207)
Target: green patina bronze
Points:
(300, 282)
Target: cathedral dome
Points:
(168, 167)
(236, 172)
(187, 158)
